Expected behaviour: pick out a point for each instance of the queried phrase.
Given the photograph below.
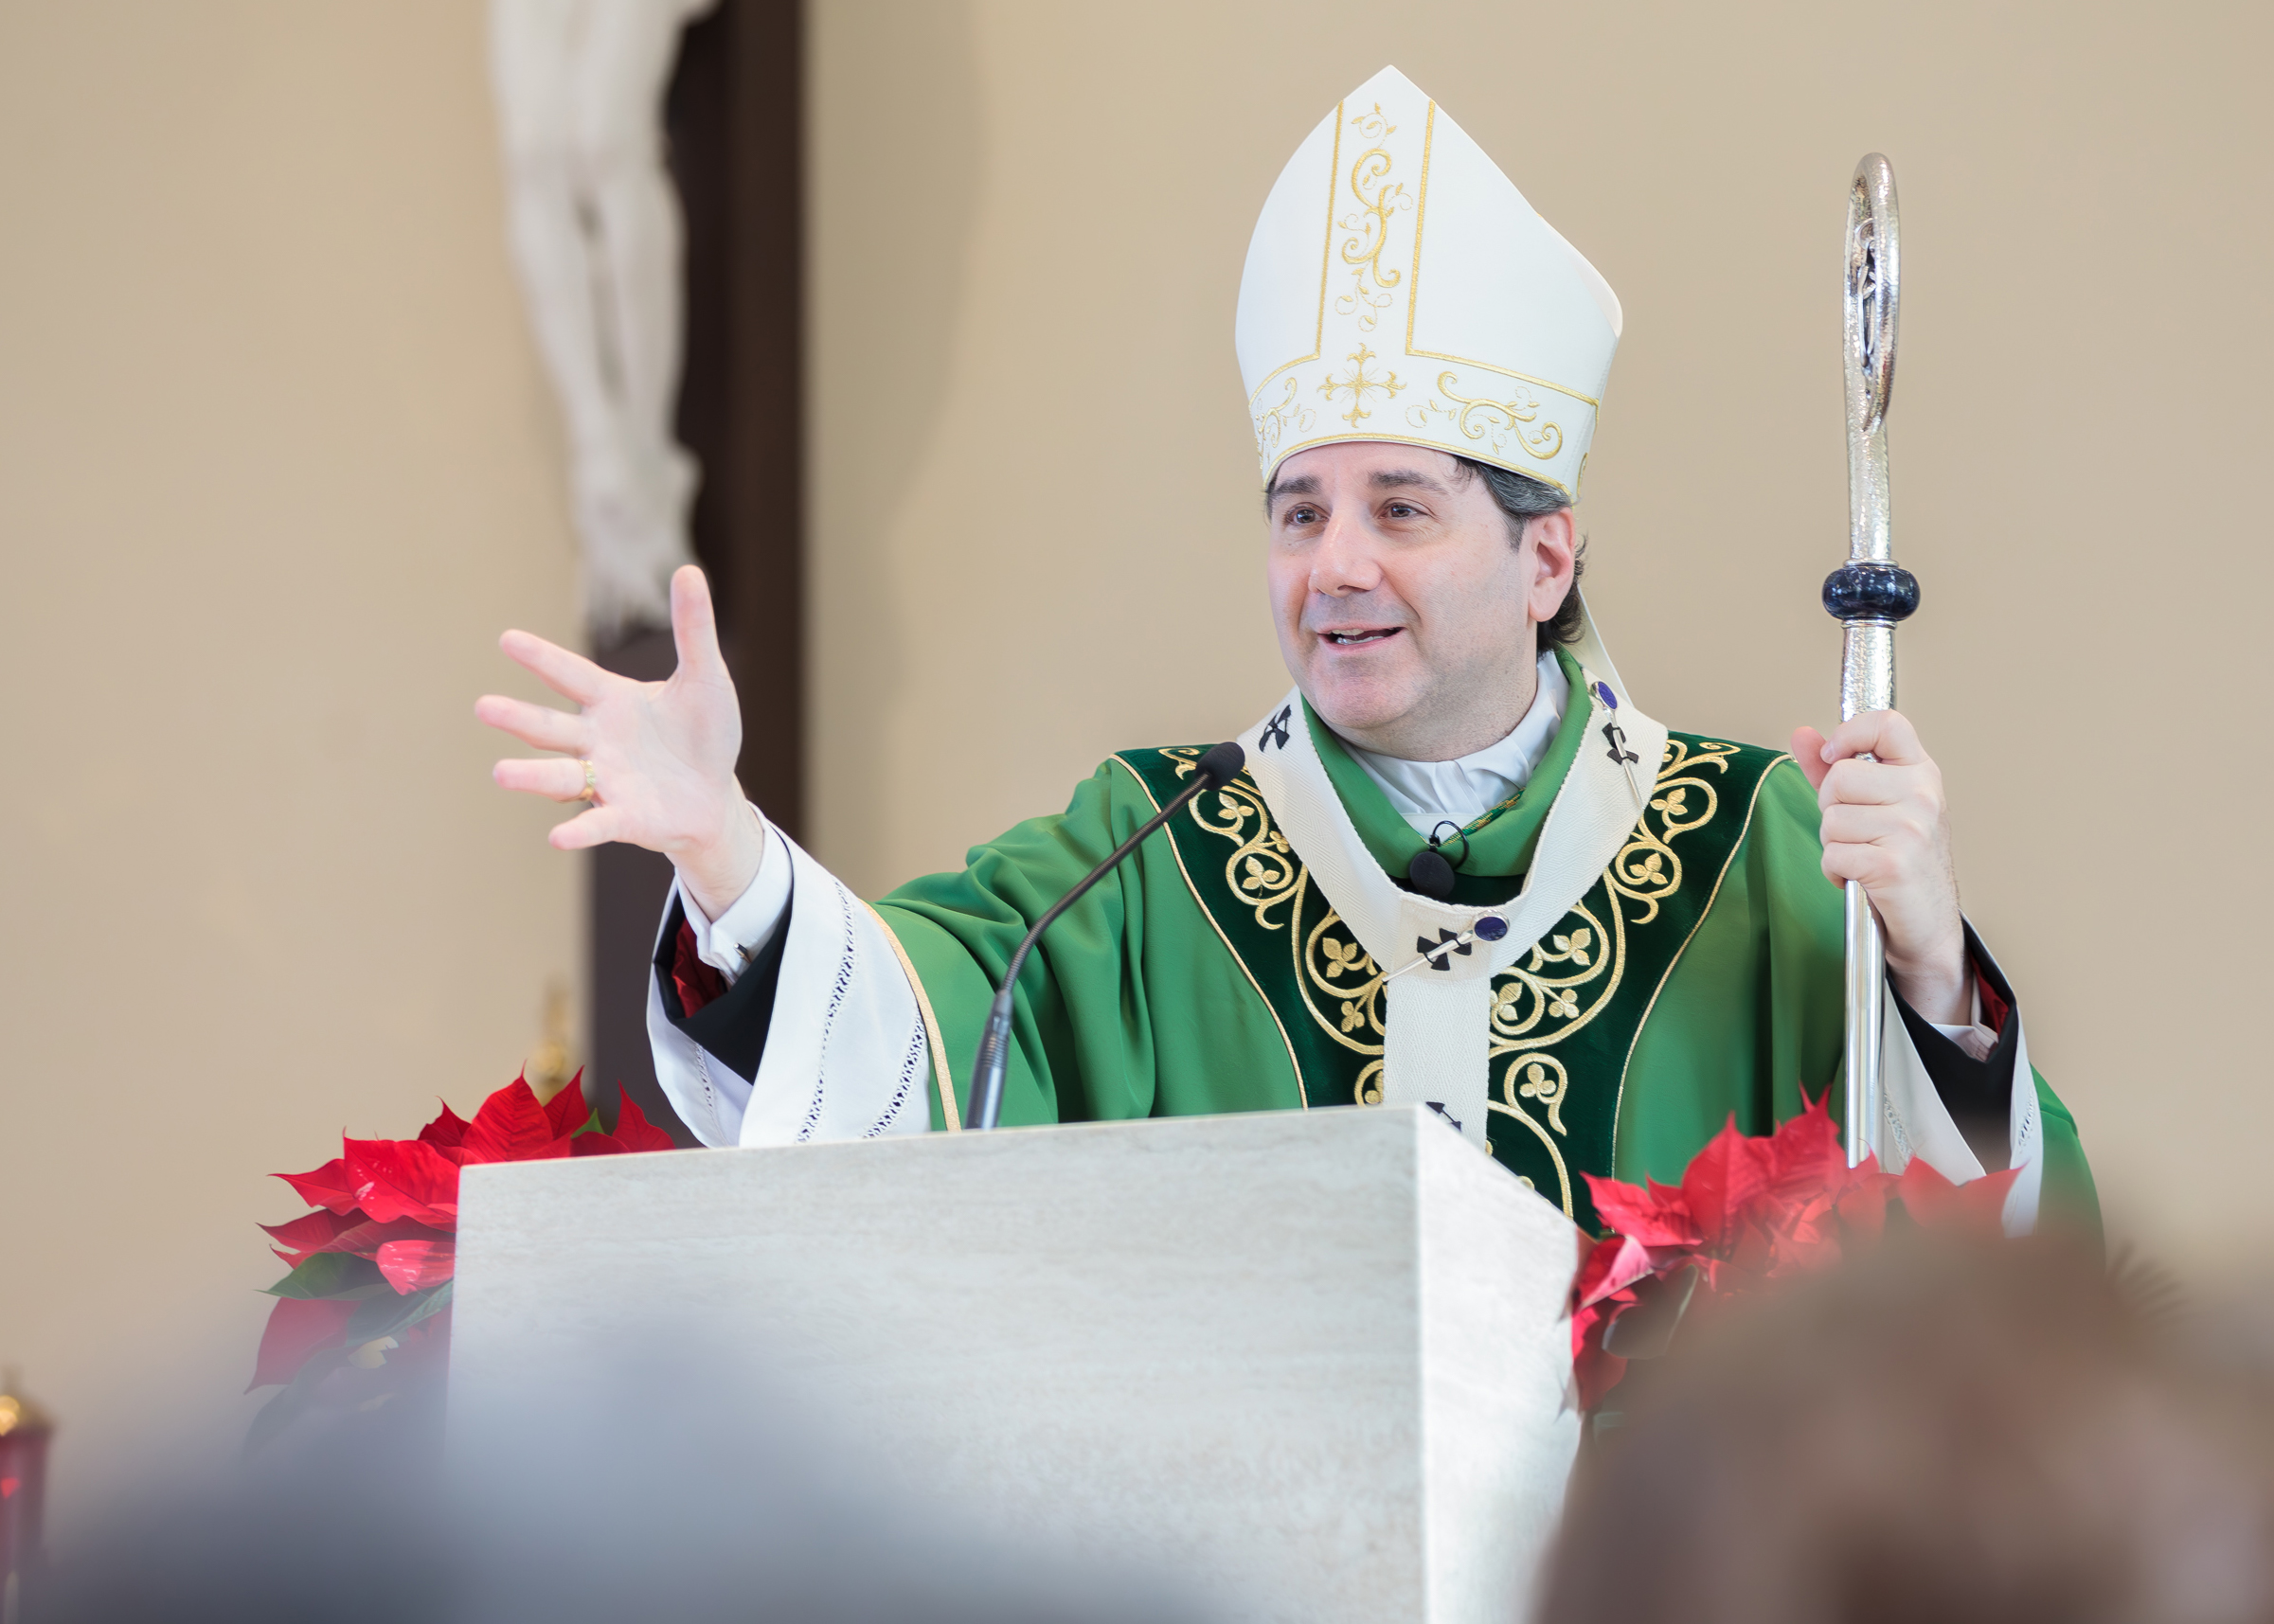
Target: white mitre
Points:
(1399, 288)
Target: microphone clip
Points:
(1430, 873)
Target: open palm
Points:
(662, 754)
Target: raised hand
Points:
(1885, 823)
(661, 755)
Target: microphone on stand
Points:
(1216, 769)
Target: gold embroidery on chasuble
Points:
(1564, 1016)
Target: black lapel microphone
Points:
(1217, 768)
(1429, 872)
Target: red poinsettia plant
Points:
(1749, 1214)
(372, 1263)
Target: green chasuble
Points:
(1699, 977)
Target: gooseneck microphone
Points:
(1215, 769)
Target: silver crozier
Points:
(1871, 592)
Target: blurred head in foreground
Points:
(1933, 1434)
(651, 1488)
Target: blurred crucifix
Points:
(597, 236)
(654, 195)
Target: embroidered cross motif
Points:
(1440, 953)
(1275, 731)
(1438, 1106)
(1361, 383)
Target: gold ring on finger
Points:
(592, 789)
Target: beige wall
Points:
(276, 465)
(1036, 533)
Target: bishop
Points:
(1463, 868)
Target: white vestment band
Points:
(1437, 1045)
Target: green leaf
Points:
(592, 1125)
(328, 1275)
(383, 1316)
(289, 1403)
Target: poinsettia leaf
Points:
(1806, 1150)
(446, 1132)
(326, 1275)
(402, 1178)
(1611, 1266)
(290, 1404)
(634, 1131)
(1976, 1206)
(1594, 1263)
(414, 1265)
(511, 1127)
(1594, 1371)
(565, 1112)
(298, 1327)
(1722, 1180)
(1658, 1215)
(326, 1186)
(311, 1233)
(366, 1241)
(390, 1315)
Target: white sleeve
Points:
(1974, 1041)
(846, 1056)
(737, 936)
(1915, 1122)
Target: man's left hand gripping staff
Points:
(1886, 824)
(655, 759)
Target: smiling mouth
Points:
(1359, 638)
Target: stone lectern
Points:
(1314, 1364)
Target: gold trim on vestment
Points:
(1737, 846)
(945, 1082)
(1563, 1175)
(1302, 1091)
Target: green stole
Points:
(1564, 1016)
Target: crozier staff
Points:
(1463, 869)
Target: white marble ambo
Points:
(1314, 1363)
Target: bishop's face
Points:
(1405, 612)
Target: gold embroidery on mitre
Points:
(1491, 423)
(1379, 198)
(1278, 423)
(1361, 382)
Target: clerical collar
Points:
(1426, 794)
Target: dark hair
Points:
(1524, 499)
